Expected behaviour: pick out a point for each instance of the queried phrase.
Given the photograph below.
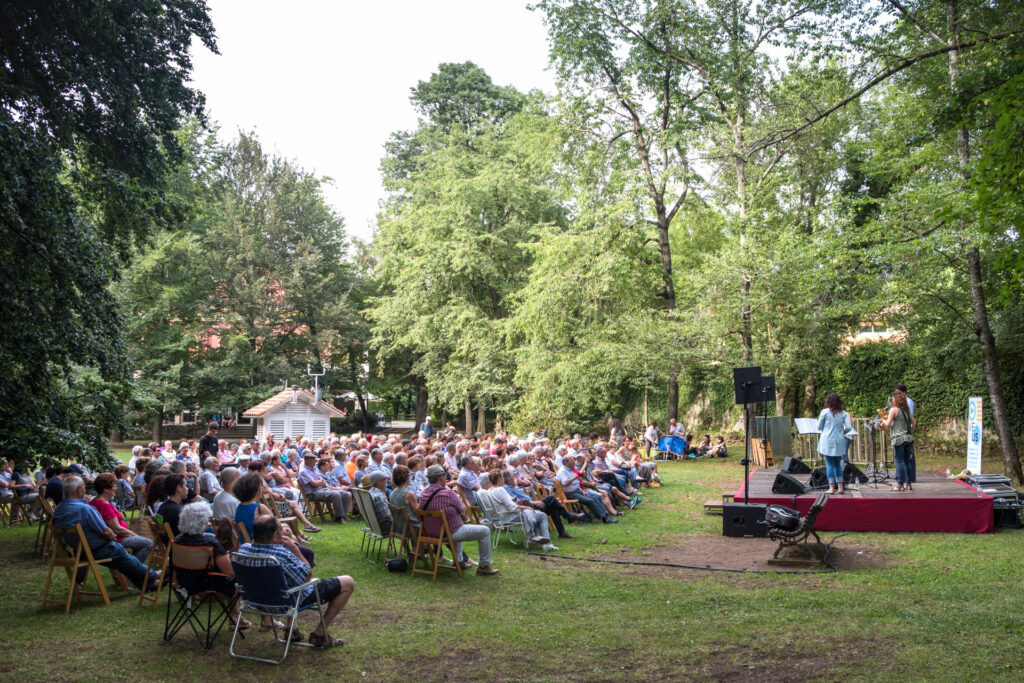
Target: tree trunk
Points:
(990, 362)
(499, 422)
(673, 396)
(647, 417)
(469, 418)
(421, 401)
(810, 396)
(781, 392)
(158, 426)
(1011, 459)
(481, 417)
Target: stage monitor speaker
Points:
(819, 479)
(787, 484)
(795, 466)
(851, 472)
(747, 384)
(744, 519)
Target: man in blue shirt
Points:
(267, 540)
(74, 510)
(426, 429)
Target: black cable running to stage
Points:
(831, 569)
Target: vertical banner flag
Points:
(974, 424)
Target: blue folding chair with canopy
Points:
(265, 592)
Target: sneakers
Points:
(610, 520)
(539, 539)
(486, 570)
(547, 547)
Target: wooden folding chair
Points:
(5, 511)
(472, 509)
(399, 539)
(159, 559)
(44, 537)
(71, 551)
(243, 532)
(570, 505)
(437, 542)
(20, 509)
(140, 501)
(315, 509)
(291, 520)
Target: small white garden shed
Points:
(293, 412)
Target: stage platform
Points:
(936, 504)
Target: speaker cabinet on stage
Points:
(851, 472)
(787, 484)
(818, 479)
(794, 466)
(744, 519)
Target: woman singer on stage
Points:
(834, 424)
(901, 425)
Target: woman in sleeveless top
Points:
(404, 499)
(901, 430)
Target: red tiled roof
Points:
(282, 397)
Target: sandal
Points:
(268, 627)
(312, 529)
(243, 623)
(317, 640)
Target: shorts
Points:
(329, 589)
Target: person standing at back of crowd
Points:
(651, 438)
(616, 432)
(426, 429)
(209, 444)
(834, 425)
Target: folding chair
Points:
(43, 536)
(373, 534)
(206, 624)
(5, 511)
(472, 509)
(291, 520)
(140, 501)
(571, 505)
(315, 509)
(243, 532)
(71, 551)
(443, 538)
(20, 506)
(159, 559)
(264, 592)
(401, 533)
(501, 523)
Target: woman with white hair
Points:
(136, 452)
(220, 577)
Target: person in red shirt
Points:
(139, 546)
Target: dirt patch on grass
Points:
(720, 552)
(736, 663)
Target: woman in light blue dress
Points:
(834, 425)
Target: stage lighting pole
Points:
(746, 451)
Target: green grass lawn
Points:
(941, 607)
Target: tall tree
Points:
(90, 97)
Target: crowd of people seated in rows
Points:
(207, 492)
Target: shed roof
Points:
(284, 396)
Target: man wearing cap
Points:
(436, 496)
(426, 429)
(378, 482)
(315, 488)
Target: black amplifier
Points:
(980, 480)
(744, 519)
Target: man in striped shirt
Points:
(437, 496)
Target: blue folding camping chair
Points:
(673, 445)
(264, 591)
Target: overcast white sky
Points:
(325, 83)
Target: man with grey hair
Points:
(209, 486)
(100, 537)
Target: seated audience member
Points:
(403, 497)
(378, 484)
(549, 505)
(417, 475)
(285, 506)
(719, 450)
(225, 503)
(176, 492)
(704, 447)
(124, 494)
(105, 485)
(249, 490)
(209, 484)
(438, 497)
(676, 429)
(316, 488)
(194, 522)
(570, 479)
(155, 493)
(469, 480)
(535, 521)
(268, 538)
(101, 539)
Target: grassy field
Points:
(929, 606)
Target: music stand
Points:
(747, 386)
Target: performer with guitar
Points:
(900, 423)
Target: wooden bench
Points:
(798, 537)
(715, 507)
